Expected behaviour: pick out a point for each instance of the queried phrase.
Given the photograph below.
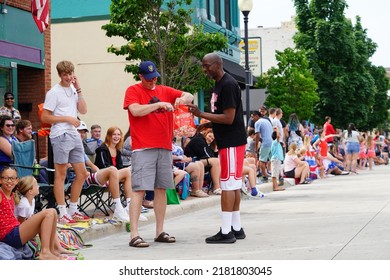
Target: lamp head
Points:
(245, 5)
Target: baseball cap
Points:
(82, 126)
(263, 107)
(148, 70)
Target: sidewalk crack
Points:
(386, 205)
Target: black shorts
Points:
(290, 174)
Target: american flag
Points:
(40, 13)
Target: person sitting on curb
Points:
(249, 183)
(294, 167)
(199, 149)
(26, 191)
(17, 235)
(328, 161)
(194, 168)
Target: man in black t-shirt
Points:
(230, 134)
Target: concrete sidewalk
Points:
(338, 218)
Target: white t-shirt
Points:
(62, 101)
(24, 209)
(353, 138)
(289, 162)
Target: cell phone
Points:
(154, 100)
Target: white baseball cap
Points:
(82, 126)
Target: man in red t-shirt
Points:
(329, 129)
(150, 112)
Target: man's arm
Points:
(92, 166)
(5, 147)
(81, 104)
(257, 141)
(48, 117)
(138, 110)
(227, 117)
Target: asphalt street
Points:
(338, 218)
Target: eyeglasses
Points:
(9, 98)
(9, 125)
(9, 179)
(208, 65)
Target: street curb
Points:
(191, 204)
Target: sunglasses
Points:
(9, 98)
(9, 125)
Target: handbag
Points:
(172, 197)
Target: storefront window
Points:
(5, 81)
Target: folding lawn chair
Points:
(24, 162)
(90, 195)
(110, 202)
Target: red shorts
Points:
(232, 162)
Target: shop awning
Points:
(237, 71)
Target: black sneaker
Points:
(239, 234)
(221, 238)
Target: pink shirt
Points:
(289, 162)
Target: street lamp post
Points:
(245, 7)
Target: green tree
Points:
(291, 86)
(338, 54)
(161, 31)
(379, 115)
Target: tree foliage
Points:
(291, 85)
(161, 31)
(379, 116)
(338, 54)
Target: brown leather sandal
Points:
(138, 242)
(165, 238)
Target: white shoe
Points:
(244, 189)
(121, 215)
(142, 218)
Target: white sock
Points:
(62, 209)
(226, 222)
(72, 208)
(117, 203)
(236, 220)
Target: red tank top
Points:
(7, 218)
(323, 148)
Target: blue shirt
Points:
(264, 127)
(276, 150)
